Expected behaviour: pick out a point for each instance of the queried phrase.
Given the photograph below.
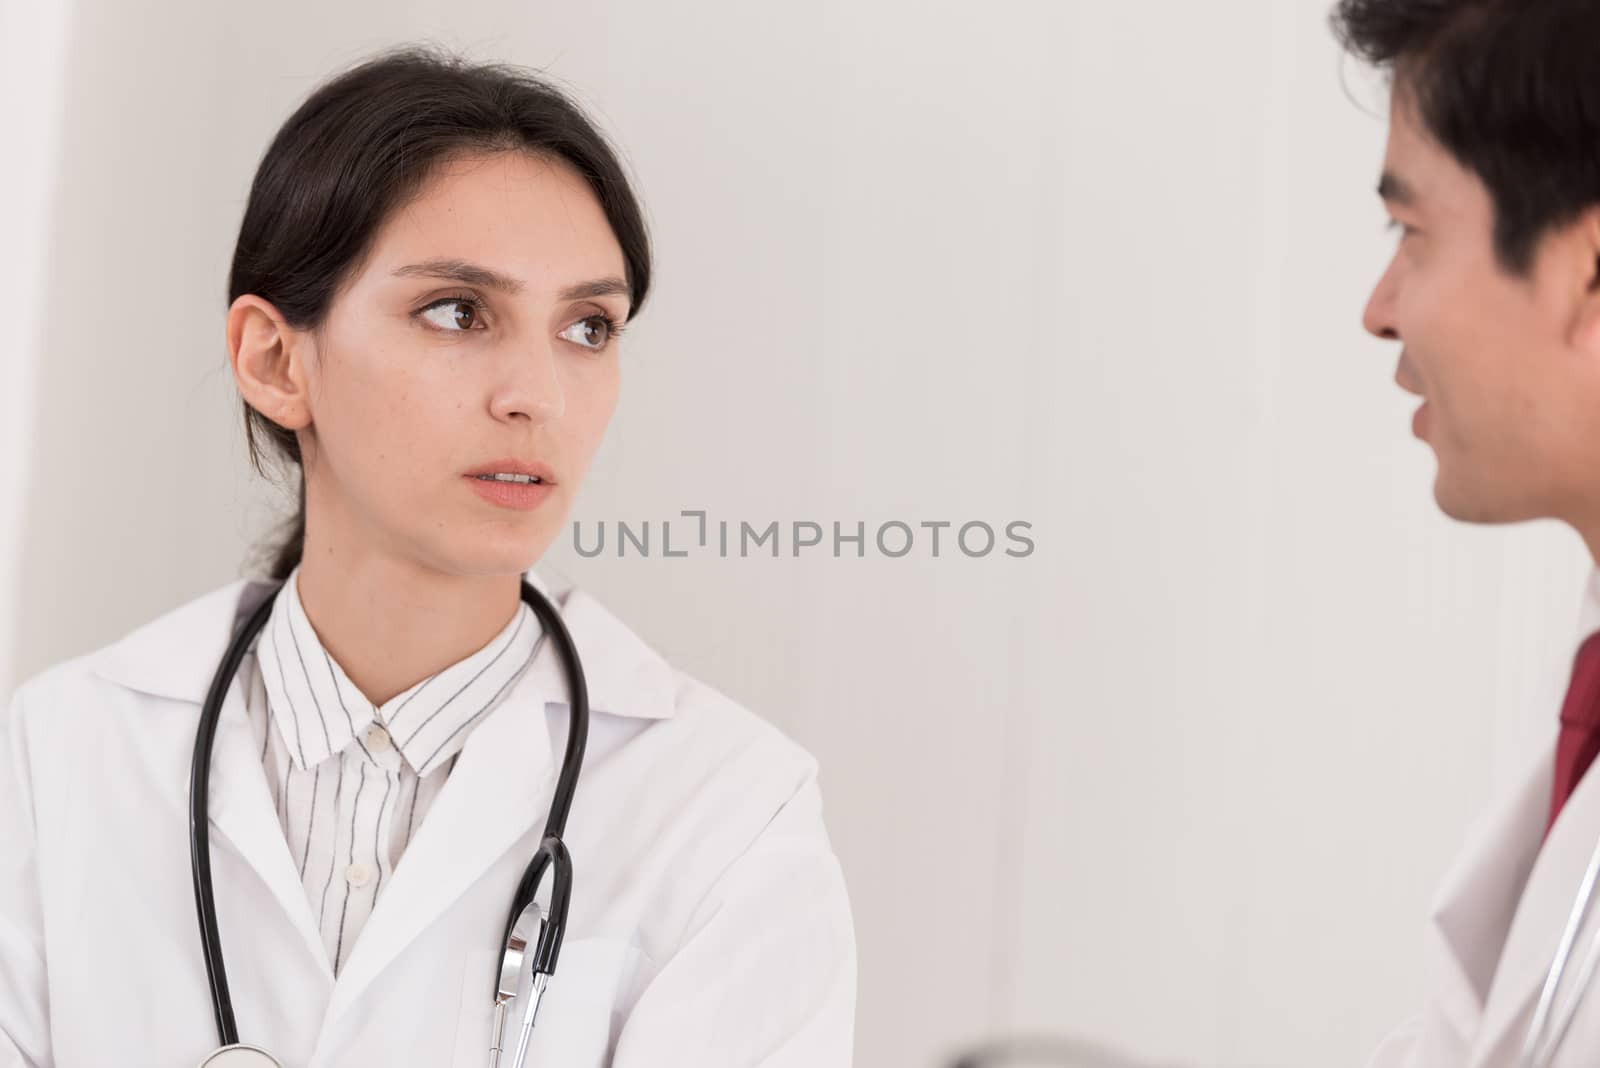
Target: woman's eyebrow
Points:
(474, 275)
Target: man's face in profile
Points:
(1508, 393)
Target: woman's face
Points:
(416, 379)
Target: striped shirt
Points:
(351, 781)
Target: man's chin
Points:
(1478, 504)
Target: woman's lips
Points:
(522, 496)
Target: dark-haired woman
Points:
(432, 275)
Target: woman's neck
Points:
(390, 624)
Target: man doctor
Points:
(1492, 180)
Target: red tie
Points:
(1580, 726)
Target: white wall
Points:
(32, 67)
(1180, 782)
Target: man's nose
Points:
(1378, 317)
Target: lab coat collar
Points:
(1478, 903)
(1520, 883)
(1540, 913)
(175, 655)
(498, 792)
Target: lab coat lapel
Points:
(176, 656)
(1474, 908)
(1541, 913)
(498, 791)
(241, 809)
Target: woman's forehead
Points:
(522, 223)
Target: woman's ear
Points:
(268, 358)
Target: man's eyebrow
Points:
(1394, 190)
(474, 275)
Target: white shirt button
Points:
(358, 875)
(377, 739)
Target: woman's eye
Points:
(458, 315)
(604, 325)
(453, 314)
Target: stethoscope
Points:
(527, 925)
(1549, 1024)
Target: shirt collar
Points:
(175, 655)
(319, 711)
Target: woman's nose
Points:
(531, 386)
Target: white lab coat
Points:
(709, 923)
(1499, 917)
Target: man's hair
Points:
(1510, 88)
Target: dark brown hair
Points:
(1510, 88)
(362, 145)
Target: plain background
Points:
(1182, 781)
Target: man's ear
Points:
(268, 358)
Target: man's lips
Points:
(1405, 379)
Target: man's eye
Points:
(453, 314)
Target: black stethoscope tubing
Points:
(552, 852)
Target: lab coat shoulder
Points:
(58, 721)
(764, 933)
(63, 727)
(733, 742)
(51, 722)
(748, 917)
(24, 1006)
(721, 778)
(84, 712)
(64, 697)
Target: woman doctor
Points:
(433, 270)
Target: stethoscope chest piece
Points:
(240, 1056)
